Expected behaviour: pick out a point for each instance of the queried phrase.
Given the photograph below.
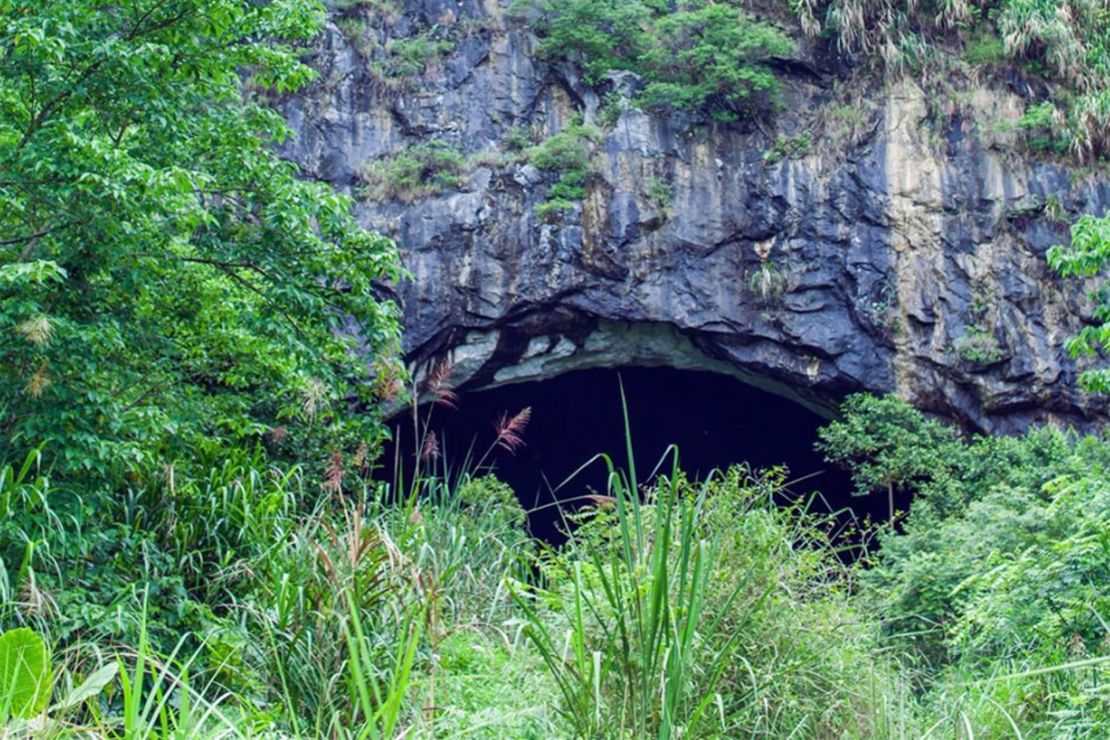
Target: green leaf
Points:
(90, 687)
(25, 675)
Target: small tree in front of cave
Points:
(887, 444)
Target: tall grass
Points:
(677, 608)
(705, 609)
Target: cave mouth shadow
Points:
(714, 420)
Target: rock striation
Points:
(869, 238)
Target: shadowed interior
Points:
(713, 419)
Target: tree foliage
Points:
(1003, 562)
(707, 56)
(167, 283)
(1087, 256)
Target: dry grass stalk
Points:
(510, 429)
(333, 475)
(435, 384)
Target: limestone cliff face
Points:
(903, 251)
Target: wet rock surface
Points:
(902, 251)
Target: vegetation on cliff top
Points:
(715, 58)
(708, 57)
(1060, 47)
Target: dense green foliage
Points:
(708, 56)
(179, 313)
(704, 609)
(167, 284)
(1003, 567)
(1088, 255)
(191, 541)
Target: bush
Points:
(978, 345)
(411, 57)
(416, 172)
(567, 154)
(997, 581)
(706, 57)
(1044, 128)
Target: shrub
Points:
(766, 282)
(1043, 128)
(411, 57)
(705, 57)
(566, 154)
(978, 345)
(998, 579)
(789, 146)
(985, 49)
(712, 59)
(416, 172)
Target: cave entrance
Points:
(714, 419)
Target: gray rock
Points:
(860, 266)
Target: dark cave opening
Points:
(715, 421)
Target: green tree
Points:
(169, 285)
(707, 56)
(713, 58)
(1087, 256)
(888, 444)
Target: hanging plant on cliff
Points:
(167, 283)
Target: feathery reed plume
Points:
(601, 501)
(508, 434)
(510, 429)
(430, 449)
(435, 384)
(38, 382)
(36, 330)
(333, 476)
(278, 434)
(313, 394)
(361, 460)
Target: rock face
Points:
(901, 251)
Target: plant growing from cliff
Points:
(566, 154)
(1043, 128)
(1062, 43)
(978, 345)
(786, 147)
(1087, 256)
(708, 57)
(409, 58)
(179, 286)
(767, 281)
(415, 172)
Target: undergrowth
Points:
(256, 602)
